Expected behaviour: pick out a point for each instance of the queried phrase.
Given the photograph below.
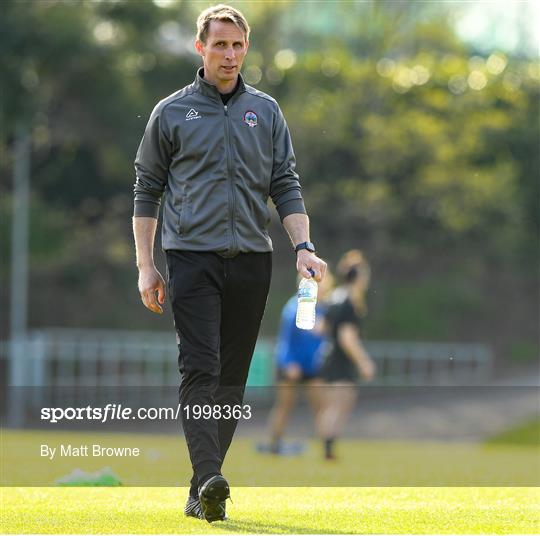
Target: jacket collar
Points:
(210, 90)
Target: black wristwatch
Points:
(305, 245)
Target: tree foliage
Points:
(409, 144)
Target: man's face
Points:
(223, 53)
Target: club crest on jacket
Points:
(250, 119)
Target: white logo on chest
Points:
(192, 114)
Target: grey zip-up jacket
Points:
(217, 166)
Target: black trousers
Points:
(217, 304)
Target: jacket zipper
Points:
(232, 197)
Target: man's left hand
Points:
(306, 261)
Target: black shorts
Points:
(338, 370)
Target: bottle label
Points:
(306, 292)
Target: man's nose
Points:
(229, 53)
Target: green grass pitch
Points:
(287, 510)
(274, 510)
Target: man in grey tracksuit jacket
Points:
(219, 164)
(215, 151)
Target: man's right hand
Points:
(150, 282)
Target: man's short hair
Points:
(223, 13)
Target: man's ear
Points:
(199, 47)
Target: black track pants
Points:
(218, 305)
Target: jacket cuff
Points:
(145, 209)
(293, 206)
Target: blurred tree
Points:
(409, 144)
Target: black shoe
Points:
(213, 494)
(193, 508)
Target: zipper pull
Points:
(226, 111)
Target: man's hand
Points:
(306, 261)
(150, 282)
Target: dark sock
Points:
(275, 446)
(193, 487)
(206, 477)
(329, 447)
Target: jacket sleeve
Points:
(285, 189)
(152, 166)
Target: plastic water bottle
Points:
(307, 300)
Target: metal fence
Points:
(80, 357)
